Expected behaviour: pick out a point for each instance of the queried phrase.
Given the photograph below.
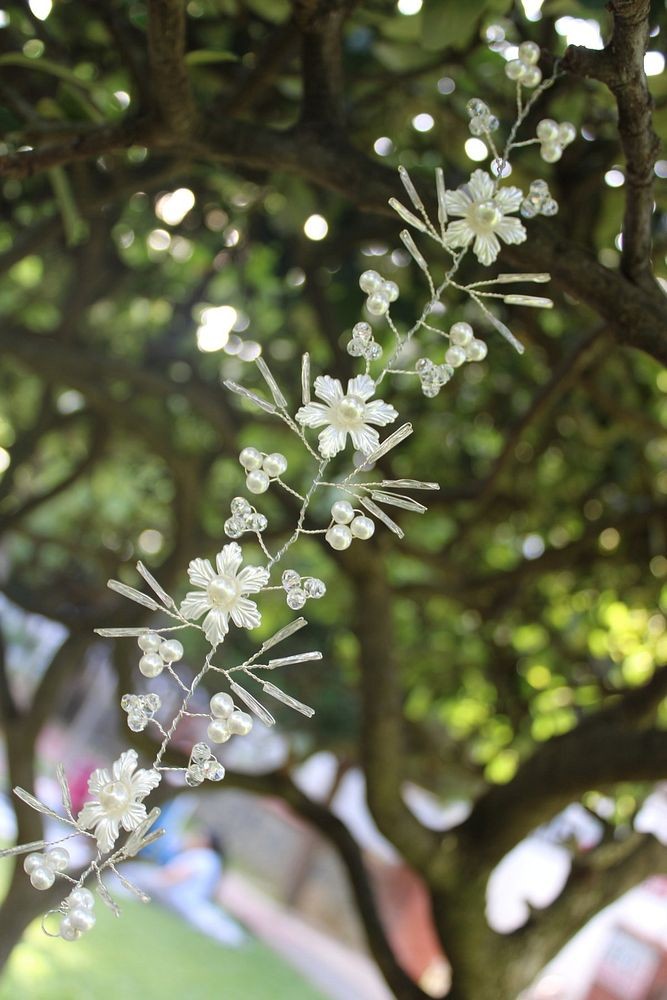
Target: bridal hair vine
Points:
(477, 217)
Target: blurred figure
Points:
(188, 883)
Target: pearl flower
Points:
(484, 210)
(117, 799)
(222, 593)
(344, 414)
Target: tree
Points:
(536, 579)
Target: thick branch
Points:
(604, 749)
(172, 94)
(621, 67)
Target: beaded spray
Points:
(475, 217)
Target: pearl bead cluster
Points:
(43, 868)
(140, 709)
(300, 589)
(481, 119)
(347, 525)
(261, 468)
(538, 201)
(203, 765)
(78, 917)
(244, 518)
(380, 293)
(464, 346)
(227, 720)
(158, 652)
(362, 344)
(525, 69)
(554, 138)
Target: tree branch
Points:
(172, 94)
(605, 748)
(621, 67)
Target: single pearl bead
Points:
(461, 334)
(362, 527)
(567, 133)
(171, 650)
(222, 705)
(351, 410)
(42, 878)
(114, 797)
(529, 52)
(342, 512)
(222, 590)
(250, 458)
(150, 642)
(67, 931)
(476, 350)
(532, 76)
(275, 464)
(57, 858)
(551, 152)
(547, 130)
(151, 665)
(257, 481)
(514, 69)
(455, 356)
(339, 537)
(33, 862)
(391, 290)
(82, 920)
(240, 723)
(377, 304)
(488, 213)
(218, 731)
(370, 281)
(81, 898)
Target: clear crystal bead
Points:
(194, 776)
(290, 579)
(137, 721)
(214, 770)
(200, 753)
(476, 107)
(314, 588)
(373, 352)
(550, 207)
(296, 598)
(152, 702)
(240, 505)
(232, 528)
(355, 349)
(362, 331)
(127, 701)
(259, 522)
(527, 209)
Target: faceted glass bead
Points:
(550, 207)
(373, 352)
(362, 331)
(354, 349)
(232, 528)
(476, 107)
(137, 721)
(200, 753)
(296, 598)
(152, 702)
(214, 770)
(194, 776)
(314, 588)
(240, 505)
(290, 579)
(259, 522)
